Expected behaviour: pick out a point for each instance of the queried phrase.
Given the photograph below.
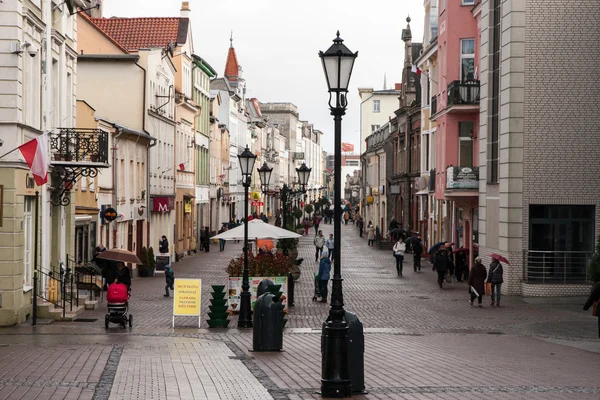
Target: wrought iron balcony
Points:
(76, 153)
(433, 105)
(76, 145)
(463, 93)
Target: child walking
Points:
(170, 279)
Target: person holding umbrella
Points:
(417, 249)
(495, 277)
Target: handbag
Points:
(488, 288)
(595, 308)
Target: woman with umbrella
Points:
(495, 277)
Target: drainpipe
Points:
(114, 150)
(408, 170)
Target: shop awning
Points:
(188, 196)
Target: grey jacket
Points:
(495, 273)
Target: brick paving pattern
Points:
(421, 342)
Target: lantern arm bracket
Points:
(68, 175)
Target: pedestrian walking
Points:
(399, 249)
(163, 245)
(316, 223)
(222, 241)
(440, 265)
(206, 239)
(495, 278)
(319, 243)
(370, 234)
(361, 226)
(329, 243)
(346, 217)
(324, 274)
(460, 263)
(477, 282)
(417, 249)
(593, 301)
(393, 226)
(169, 279)
(306, 226)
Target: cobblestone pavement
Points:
(421, 342)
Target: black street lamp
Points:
(247, 160)
(338, 62)
(288, 194)
(264, 174)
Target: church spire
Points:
(232, 68)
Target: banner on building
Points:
(462, 178)
(347, 147)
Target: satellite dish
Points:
(72, 5)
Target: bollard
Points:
(356, 353)
(290, 290)
(267, 331)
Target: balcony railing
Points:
(556, 267)
(433, 105)
(463, 93)
(79, 146)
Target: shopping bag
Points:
(475, 292)
(488, 288)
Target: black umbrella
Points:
(412, 239)
(436, 247)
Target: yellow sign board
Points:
(187, 207)
(187, 293)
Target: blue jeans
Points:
(496, 291)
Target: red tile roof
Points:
(231, 66)
(85, 16)
(142, 33)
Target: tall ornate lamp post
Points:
(287, 193)
(338, 62)
(247, 160)
(264, 173)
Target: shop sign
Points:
(187, 207)
(187, 294)
(109, 214)
(162, 204)
(258, 203)
(462, 178)
(370, 200)
(25, 183)
(234, 290)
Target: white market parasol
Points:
(259, 230)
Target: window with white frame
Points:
(376, 106)
(374, 128)
(465, 145)
(467, 59)
(28, 237)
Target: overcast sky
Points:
(277, 44)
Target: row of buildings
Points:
(139, 122)
(490, 139)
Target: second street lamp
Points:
(338, 62)
(287, 193)
(247, 160)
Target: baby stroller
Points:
(317, 291)
(117, 303)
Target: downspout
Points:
(114, 149)
(409, 169)
(151, 143)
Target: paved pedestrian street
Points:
(420, 342)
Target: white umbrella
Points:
(257, 229)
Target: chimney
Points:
(185, 9)
(398, 86)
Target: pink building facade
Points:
(455, 110)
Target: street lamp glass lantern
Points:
(303, 174)
(264, 173)
(338, 62)
(246, 160)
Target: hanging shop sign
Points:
(163, 204)
(255, 196)
(258, 203)
(110, 214)
(187, 207)
(370, 200)
(234, 291)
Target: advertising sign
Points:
(110, 214)
(234, 290)
(161, 262)
(186, 298)
(187, 208)
(347, 147)
(162, 204)
(462, 178)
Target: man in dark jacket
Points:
(477, 281)
(440, 265)
(594, 297)
(495, 277)
(417, 249)
(163, 245)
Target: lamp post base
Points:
(245, 318)
(335, 376)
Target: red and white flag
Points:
(415, 69)
(182, 167)
(35, 153)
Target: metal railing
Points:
(79, 145)
(463, 93)
(556, 267)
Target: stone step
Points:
(91, 304)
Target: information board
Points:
(186, 298)
(234, 290)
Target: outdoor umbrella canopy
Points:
(119, 255)
(500, 258)
(259, 230)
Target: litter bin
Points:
(263, 287)
(356, 352)
(267, 332)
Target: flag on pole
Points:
(35, 153)
(415, 70)
(182, 167)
